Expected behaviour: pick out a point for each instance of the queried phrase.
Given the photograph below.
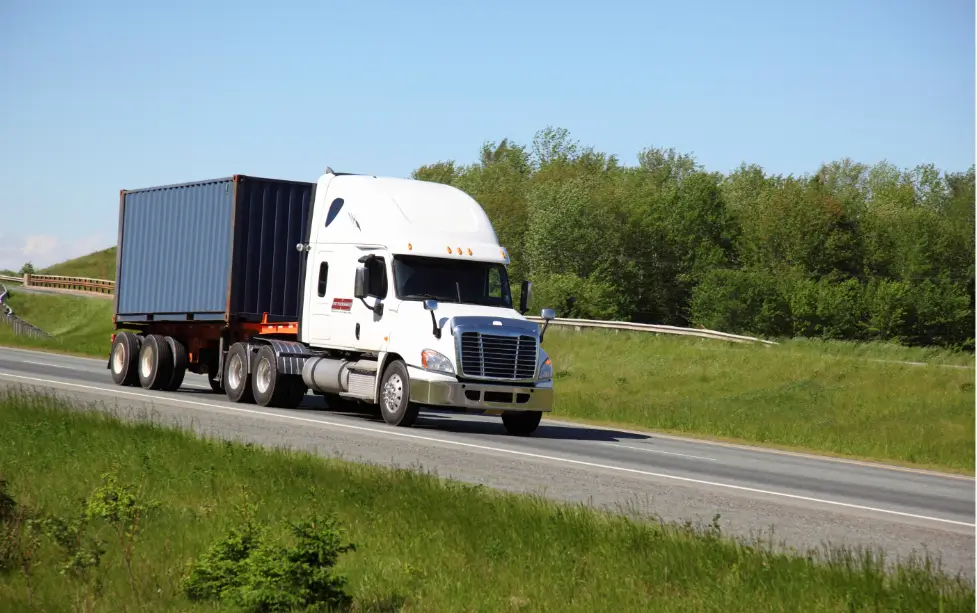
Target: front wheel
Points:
(395, 404)
(522, 423)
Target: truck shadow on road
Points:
(432, 421)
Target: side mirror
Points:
(430, 306)
(548, 315)
(526, 294)
(362, 283)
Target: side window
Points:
(494, 283)
(378, 278)
(323, 275)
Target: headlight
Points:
(546, 369)
(432, 360)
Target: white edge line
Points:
(557, 420)
(48, 364)
(505, 451)
(684, 455)
(754, 448)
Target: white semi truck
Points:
(391, 292)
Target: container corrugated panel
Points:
(176, 250)
(221, 249)
(272, 218)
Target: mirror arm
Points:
(434, 325)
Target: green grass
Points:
(828, 397)
(422, 544)
(81, 325)
(98, 265)
(845, 399)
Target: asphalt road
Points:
(798, 500)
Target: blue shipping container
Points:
(219, 250)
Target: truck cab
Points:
(410, 275)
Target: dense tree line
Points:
(850, 252)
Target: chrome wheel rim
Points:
(235, 372)
(262, 377)
(393, 393)
(119, 358)
(146, 362)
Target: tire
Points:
(270, 387)
(522, 423)
(179, 351)
(395, 404)
(237, 379)
(124, 361)
(155, 363)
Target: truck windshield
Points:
(468, 282)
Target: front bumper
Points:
(480, 396)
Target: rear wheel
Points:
(155, 363)
(395, 404)
(125, 359)
(179, 352)
(270, 387)
(522, 423)
(237, 380)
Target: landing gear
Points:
(395, 404)
(521, 423)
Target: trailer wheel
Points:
(179, 352)
(395, 404)
(521, 423)
(125, 359)
(155, 362)
(237, 380)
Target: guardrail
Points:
(18, 325)
(106, 286)
(85, 284)
(652, 328)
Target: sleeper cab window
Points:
(323, 275)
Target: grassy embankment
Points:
(422, 544)
(848, 399)
(98, 265)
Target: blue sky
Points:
(99, 96)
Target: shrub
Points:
(247, 571)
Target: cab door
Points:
(371, 328)
(318, 329)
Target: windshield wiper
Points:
(430, 296)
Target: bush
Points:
(741, 301)
(576, 297)
(247, 571)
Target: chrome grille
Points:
(492, 356)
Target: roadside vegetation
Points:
(847, 251)
(98, 265)
(848, 399)
(99, 514)
(80, 325)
